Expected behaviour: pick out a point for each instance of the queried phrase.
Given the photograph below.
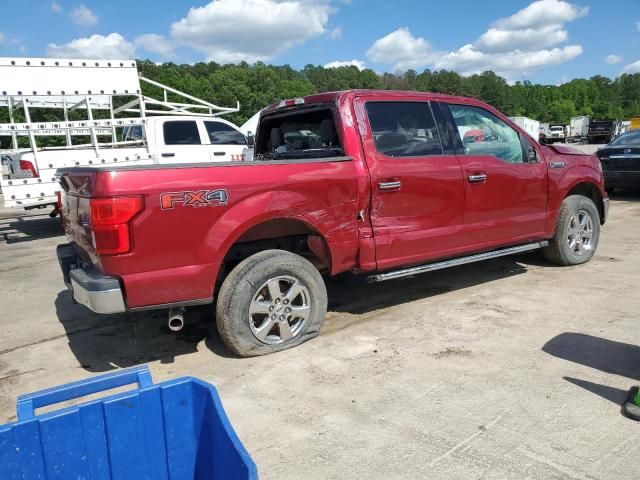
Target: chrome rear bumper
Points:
(98, 292)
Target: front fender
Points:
(562, 181)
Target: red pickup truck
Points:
(379, 183)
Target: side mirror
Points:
(532, 155)
(251, 141)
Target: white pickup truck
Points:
(166, 139)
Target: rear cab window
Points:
(404, 129)
(181, 132)
(308, 132)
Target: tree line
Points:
(258, 85)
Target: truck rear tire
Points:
(577, 232)
(271, 301)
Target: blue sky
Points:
(545, 41)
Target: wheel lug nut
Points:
(277, 300)
(271, 308)
(288, 310)
(281, 318)
(273, 317)
(285, 301)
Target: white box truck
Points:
(532, 127)
(579, 128)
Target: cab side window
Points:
(482, 133)
(404, 129)
(223, 134)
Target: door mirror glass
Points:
(532, 155)
(251, 140)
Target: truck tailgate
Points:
(74, 196)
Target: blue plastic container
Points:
(173, 430)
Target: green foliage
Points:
(256, 86)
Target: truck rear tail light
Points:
(109, 220)
(27, 166)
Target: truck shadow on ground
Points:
(608, 356)
(625, 195)
(102, 343)
(352, 294)
(28, 228)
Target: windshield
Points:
(302, 133)
(557, 129)
(630, 139)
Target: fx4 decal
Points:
(199, 199)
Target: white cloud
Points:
(56, 7)
(528, 39)
(350, 63)
(113, 46)
(402, 49)
(468, 60)
(542, 13)
(154, 43)
(613, 59)
(518, 43)
(83, 16)
(3, 38)
(632, 68)
(231, 31)
(336, 33)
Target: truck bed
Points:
(199, 235)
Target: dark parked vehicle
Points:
(600, 131)
(621, 161)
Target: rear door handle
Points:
(165, 155)
(390, 185)
(477, 178)
(219, 154)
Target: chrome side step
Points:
(429, 267)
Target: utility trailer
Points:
(96, 110)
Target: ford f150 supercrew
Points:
(385, 184)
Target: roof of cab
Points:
(330, 97)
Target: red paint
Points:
(175, 254)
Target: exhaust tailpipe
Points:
(176, 319)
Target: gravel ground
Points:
(507, 369)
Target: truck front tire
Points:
(271, 301)
(577, 232)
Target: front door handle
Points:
(165, 155)
(219, 154)
(477, 178)
(390, 185)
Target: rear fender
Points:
(337, 226)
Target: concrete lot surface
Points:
(507, 369)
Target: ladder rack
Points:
(65, 85)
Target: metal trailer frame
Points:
(67, 85)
